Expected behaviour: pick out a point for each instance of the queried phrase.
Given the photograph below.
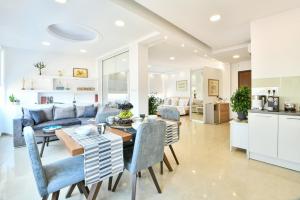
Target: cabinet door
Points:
(263, 133)
(289, 138)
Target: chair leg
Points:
(83, 188)
(133, 185)
(48, 140)
(174, 155)
(55, 195)
(166, 161)
(70, 191)
(139, 174)
(45, 198)
(43, 147)
(110, 180)
(94, 191)
(161, 167)
(117, 182)
(154, 179)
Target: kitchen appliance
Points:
(273, 103)
(290, 107)
(258, 102)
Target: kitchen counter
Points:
(275, 113)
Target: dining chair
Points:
(148, 150)
(51, 178)
(171, 114)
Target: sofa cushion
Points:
(90, 111)
(38, 116)
(60, 122)
(183, 102)
(64, 112)
(47, 110)
(174, 101)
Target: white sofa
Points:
(182, 104)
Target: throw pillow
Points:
(90, 111)
(38, 116)
(64, 113)
(48, 112)
(80, 110)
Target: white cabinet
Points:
(289, 138)
(239, 134)
(263, 133)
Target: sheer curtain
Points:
(115, 78)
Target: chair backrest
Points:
(36, 164)
(170, 113)
(149, 145)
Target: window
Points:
(115, 78)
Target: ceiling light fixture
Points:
(172, 58)
(83, 50)
(119, 23)
(195, 51)
(45, 43)
(61, 1)
(215, 18)
(236, 56)
(182, 45)
(205, 55)
(124, 60)
(165, 37)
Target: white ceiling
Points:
(23, 24)
(234, 27)
(185, 57)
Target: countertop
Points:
(275, 113)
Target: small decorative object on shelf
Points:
(86, 89)
(60, 73)
(40, 66)
(13, 100)
(80, 73)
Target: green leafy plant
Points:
(40, 66)
(12, 98)
(154, 102)
(241, 101)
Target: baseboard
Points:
(275, 161)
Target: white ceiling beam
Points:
(161, 23)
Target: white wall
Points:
(275, 45)
(170, 83)
(156, 84)
(19, 64)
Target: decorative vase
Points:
(241, 116)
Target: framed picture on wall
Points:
(181, 85)
(80, 73)
(213, 87)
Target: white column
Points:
(138, 72)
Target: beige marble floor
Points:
(207, 170)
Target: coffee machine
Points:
(272, 102)
(258, 102)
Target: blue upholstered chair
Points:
(51, 178)
(171, 114)
(148, 150)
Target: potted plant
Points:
(40, 66)
(241, 102)
(153, 104)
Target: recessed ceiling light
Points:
(165, 37)
(119, 23)
(83, 50)
(124, 60)
(236, 56)
(215, 18)
(182, 45)
(61, 1)
(172, 58)
(205, 55)
(45, 43)
(195, 51)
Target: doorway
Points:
(196, 94)
(244, 78)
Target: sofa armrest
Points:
(18, 132)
